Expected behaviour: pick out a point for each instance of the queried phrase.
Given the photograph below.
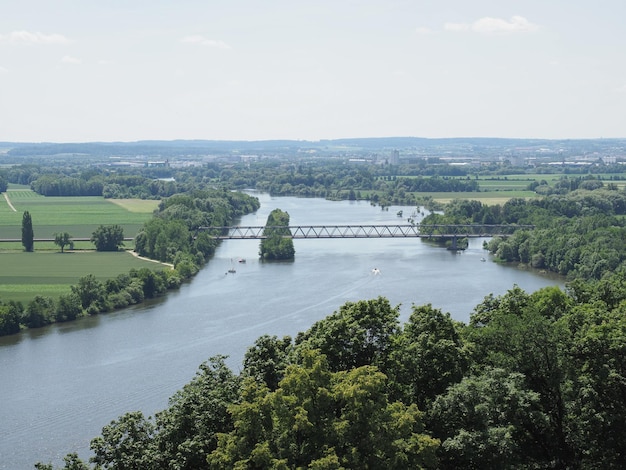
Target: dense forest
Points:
(533, 381)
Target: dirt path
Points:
(6, 196)
(136, 255)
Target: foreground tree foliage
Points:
(323, 419)
(533, 381)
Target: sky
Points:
(128, 70)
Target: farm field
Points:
(521, 181)
(485, 197)
(490, 198)
(79, 216)
(25, 275)
(49, 272)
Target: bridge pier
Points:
(454, 246)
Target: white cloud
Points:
(621, 89)
(3, 70)
(489, 25)
(70, 60)
(200, 40)
(27, 37)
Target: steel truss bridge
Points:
(297, 232)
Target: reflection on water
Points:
(61, 384)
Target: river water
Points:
(61, 384)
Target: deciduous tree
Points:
(124, 443)
(360, 333)
(108, 237)
(63, 239)
(9, 320)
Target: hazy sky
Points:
(125, 70)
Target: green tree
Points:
(108, 237)
(597, 404)
(69, 307)
(124, 443)
(323, 419)
(360, 333)
(488, 422)
(187, 431)
(39, 312)
(520, 333)
(153, 282)
(9, 320)
(429, 355)
(91, 292)
(267, 360)
(63, 239)
(28, 237)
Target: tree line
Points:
(325, 178)
(533, 381)
(580, 234)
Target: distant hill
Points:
(166, 148)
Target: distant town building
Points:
(395, 157)
(162, 164)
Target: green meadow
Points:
(521, 181)
(79, 216)
(49, 272)
(24, 275)
(485, 197)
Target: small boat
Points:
(242, 260)
(483, 259)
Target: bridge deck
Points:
(365, 231)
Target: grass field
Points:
(25, 275)
(485, 197)
(49, 272)
(521, 181)
(489, 198)
(79, 216)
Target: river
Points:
(63, 383)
